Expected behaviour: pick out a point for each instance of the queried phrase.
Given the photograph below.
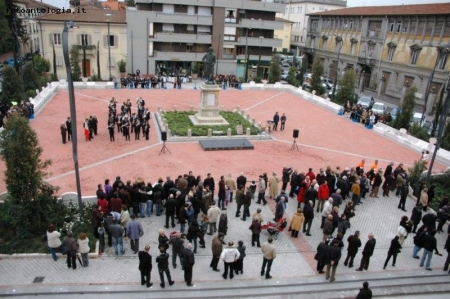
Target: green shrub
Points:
(419, 132)
(179, 123)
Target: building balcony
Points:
(366, 61)
(169, 37)
(259, 42)
(178, 56)
(263, 24)
(178, 18)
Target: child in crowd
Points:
(227, 195)
(253, 189)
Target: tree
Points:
(274, 69)
(6, 40)
(19, 148)
(41, 65)
(85, 48)
(445, 141)
(31, 78)
(407, 110)
(130, 3)
(98, 61)
(437, 113)
(346, 91)
(75, 63)
(292, 77)
(12, 85)
(316, 78)
(54, 62)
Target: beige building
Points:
(297, 11)
(92, 32)
(28, 11)
(284, 35)
(391, 48)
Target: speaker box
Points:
(164, 136)
(295, 134)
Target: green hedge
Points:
(179, 123)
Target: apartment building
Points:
(391, 48)
(166, 36)
(93, 33)
(284, 34)
(297, 11)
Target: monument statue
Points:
(209, 60)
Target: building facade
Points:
(28, 11)
(166, 36)
(391, 48)
(297, 11)
(284, 35)
(92, 32)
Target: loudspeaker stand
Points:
(294, 145)
(164, 149)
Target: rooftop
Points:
(34, 4)
(416, 9)
(92, 15)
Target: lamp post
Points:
(246, 55)
(444, 49)
(442, 120)
(73, 114)
(109, 47)
(338, 41)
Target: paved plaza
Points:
(325, 139)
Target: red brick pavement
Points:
(325, 139)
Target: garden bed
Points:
(179, 124)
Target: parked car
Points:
(330, 92)
(284, 75)
(284, 63)
(394, 113)
(328, 82)
(378, 108)
(364, 102)
(306, 86)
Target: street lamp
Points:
(109, 47)
(442, 120)
(444, 49)
(338, 41)
(73, 115)
(246, 55)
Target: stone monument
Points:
(208, 113)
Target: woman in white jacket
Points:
(54, 242)
(83, 248)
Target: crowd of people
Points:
(333, 194)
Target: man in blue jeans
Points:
(429, 244)
(116, 230)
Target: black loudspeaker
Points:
(295, 134)
(164, 136)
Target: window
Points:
(325, 43)
(391, 27)
(353, 49)
(443, 61)
(391, 51)
(399, 27)
(56, 38)
(414, 56)
(314, 25)
(300, 9)
(370, 49)
(84, 39)
(111, 40)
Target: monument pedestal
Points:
(208, 114)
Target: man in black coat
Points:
(241, 180)
(170, 206)
(276, 119)
(168, 184)
(145, 266)
(209, 181)
(394, 249)
(367, 253)
(294, 183)
(332, 259)
(188, 261)
(286, 175)
(163, 267)
(416, 216)
(429, 220)
(365, 292)
(308, 212)
(388, 170)
(353, 244)
(321, 255)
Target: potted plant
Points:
(122, 68)
(194, 70)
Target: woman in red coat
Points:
(302, 190)
(323, 193)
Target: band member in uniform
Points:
(128, 107)
(133, 121)
(112, 106)
(69, 128)
(141, 105)
(111, 130)
(91, 127)
(146, 130)
(137, 128)
(119, 122)
(146, 115)
(126, 127)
